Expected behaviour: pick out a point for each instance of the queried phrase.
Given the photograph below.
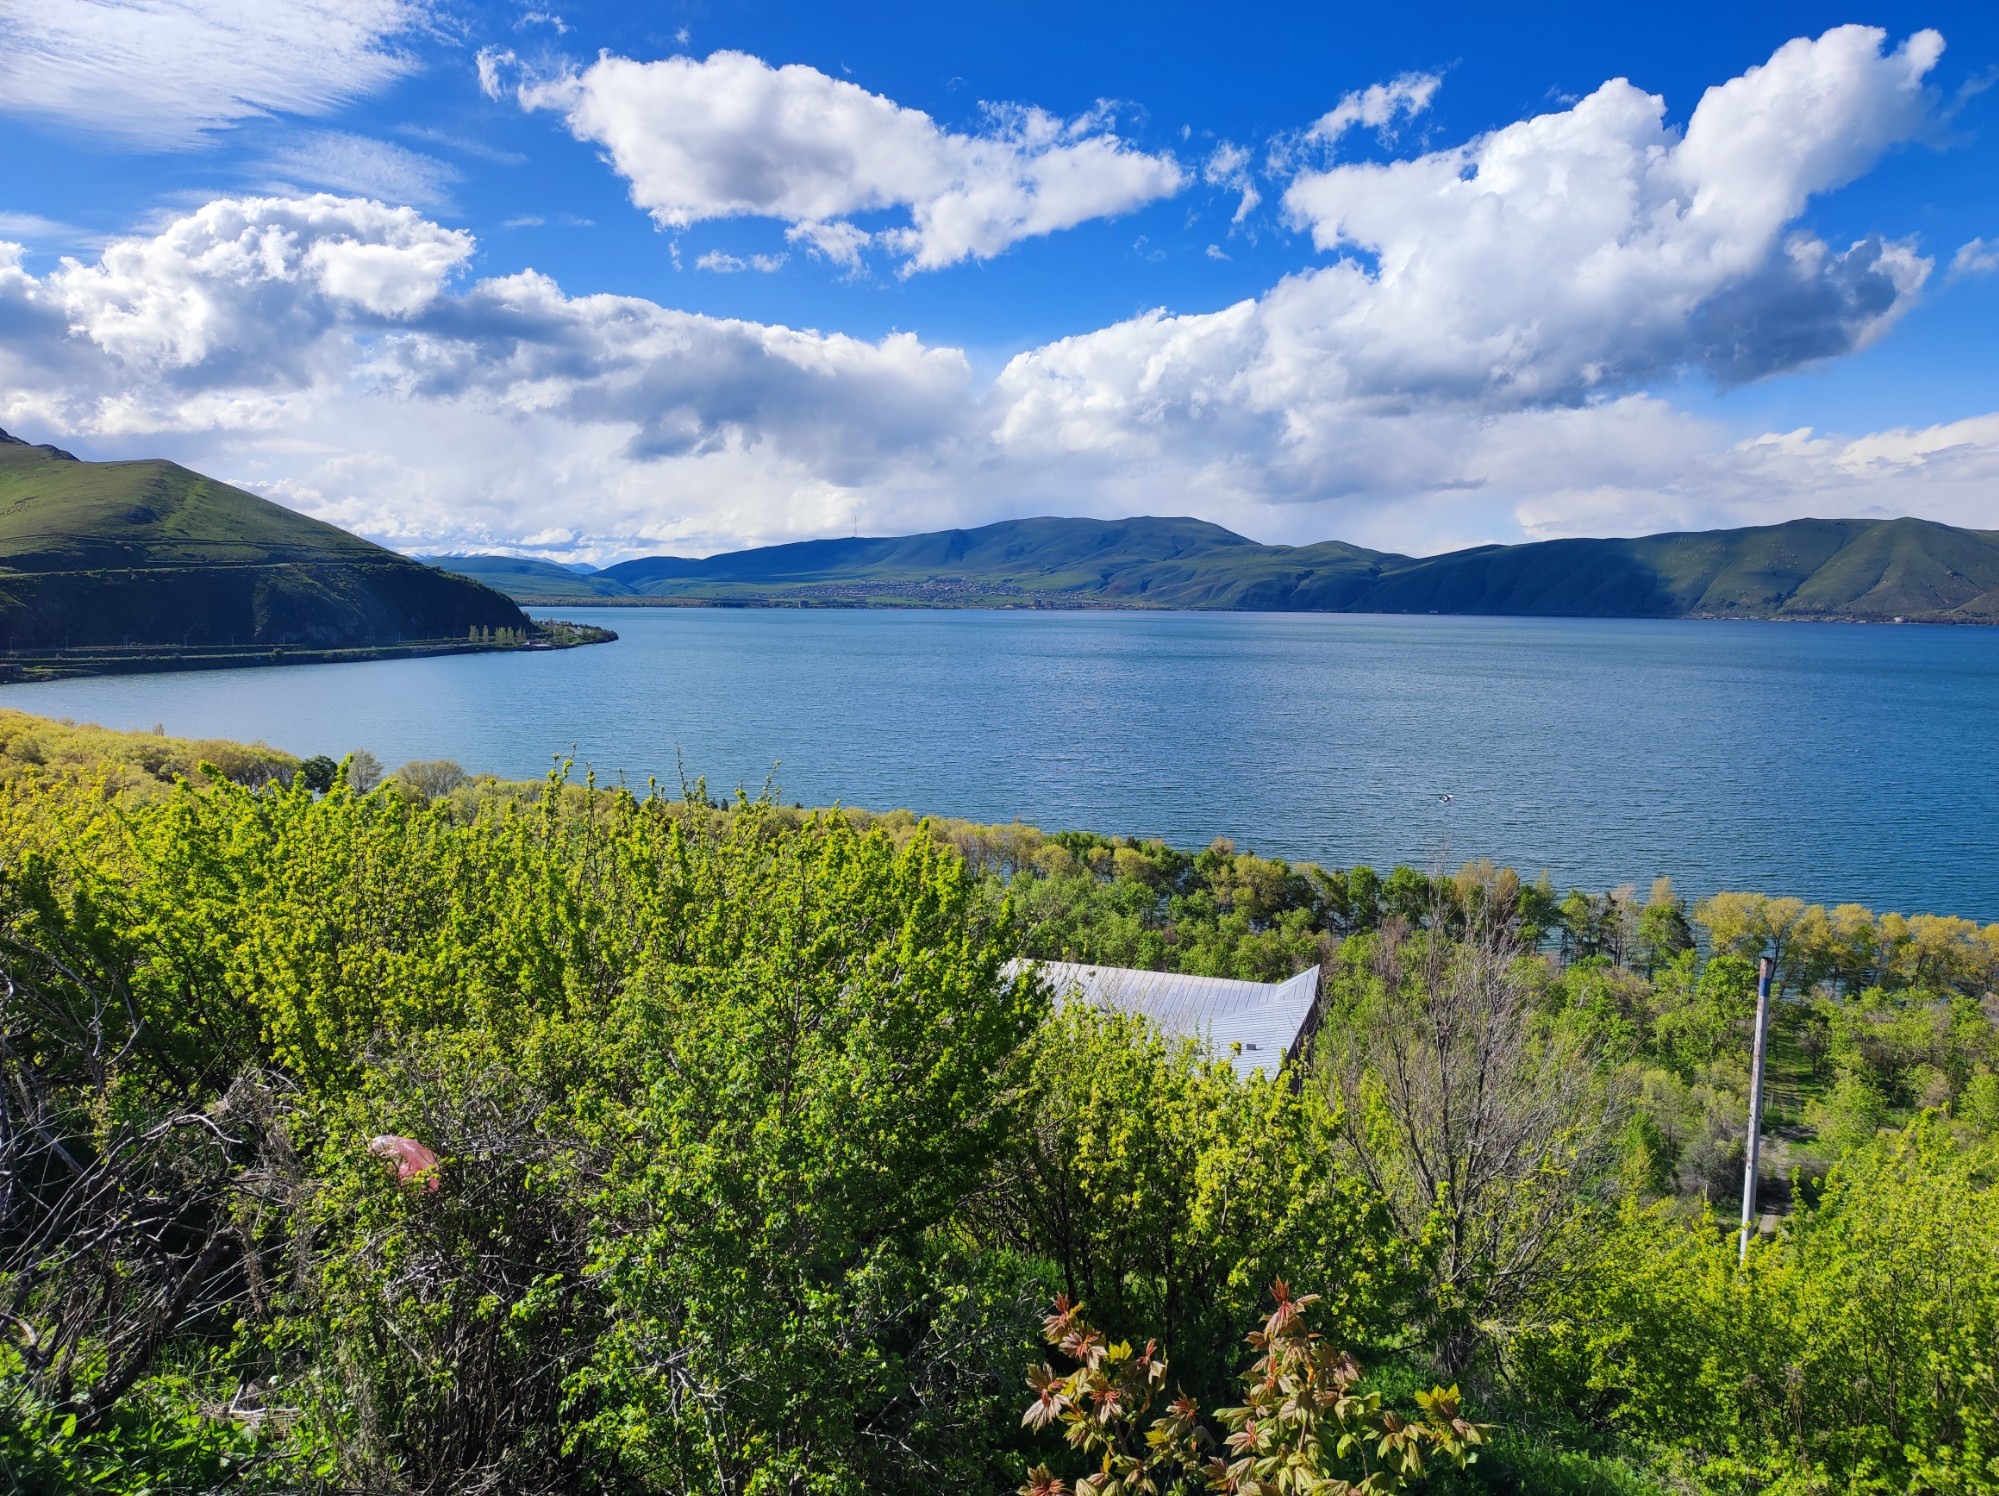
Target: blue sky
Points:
(602, 280)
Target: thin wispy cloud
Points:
(728, 264)
(32, 228)
(463, 145)
(548, 220)
(1379, 107)
(365, 167)
(1228, 166)
(1975, 257)
(163, 74)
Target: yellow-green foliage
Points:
(707, 1086)
(1169, 1192)
(757, 1169)
(1854, 948)
(144, 763)
(1854, 1353)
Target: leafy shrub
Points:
(1852, 1353)
(1304, 1425)
(1850, 1115)
(1164, 1188)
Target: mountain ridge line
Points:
(1825, 569)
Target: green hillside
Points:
(523, 576)
(1015, 559)
(117, 554)
(1808, 568)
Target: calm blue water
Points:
(1838, 762)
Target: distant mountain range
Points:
(129, 555)
(1806, 569)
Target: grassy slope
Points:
(1909, 567)
(1038, 554)
(1808, 568)
(1801, 569)
(106, 553)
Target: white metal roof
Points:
(1264, 1018)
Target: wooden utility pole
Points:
(1763, 969)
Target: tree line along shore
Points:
(428, 1133)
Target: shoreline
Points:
(153, 659)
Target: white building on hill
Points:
(1254, 1025)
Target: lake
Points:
(1834, 761)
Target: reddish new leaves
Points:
(1304, 1429)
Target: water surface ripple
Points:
(1838, 762)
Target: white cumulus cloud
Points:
(325, 348)
(1595, 246)
(1563, 260)
(1472, 363)
(838, 241)
(731, 136)
(1657, 469)
(160, 73)
(243, 292)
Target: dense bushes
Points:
(1853, 1352)
(1167, 1194)
(40, 750)
(707, 1093)
(758, 1172)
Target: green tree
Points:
(1663, 933)
(319, 772)
(1979, 1106)
(1851, 1353)
(1850, 1114)
(1703, 1012)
